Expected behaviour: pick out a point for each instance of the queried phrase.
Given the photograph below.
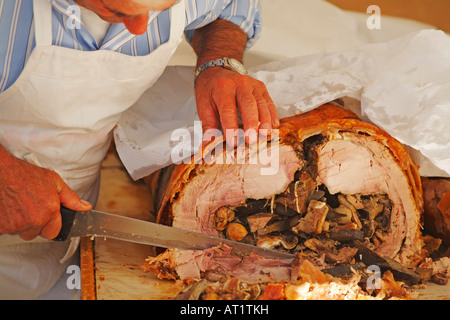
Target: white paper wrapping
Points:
(143, 136)
(403, 86)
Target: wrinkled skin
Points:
(221, 92)
(30, 199)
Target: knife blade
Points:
(102, 224)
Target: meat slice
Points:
(215, 263)
(355, 163)
(196, 192)
(337, 178)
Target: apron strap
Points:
(177, 20)
(43, 22)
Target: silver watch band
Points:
(228, 63)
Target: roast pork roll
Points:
(337, 179)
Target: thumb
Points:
(69, 198)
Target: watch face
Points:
(237, 66)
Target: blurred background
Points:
(292, 28)
(434, 12)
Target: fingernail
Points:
(251, 136)
(276, 123)
(264, 129)
(84, 202)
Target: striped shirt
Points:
(17, 33)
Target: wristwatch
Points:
(227, 63)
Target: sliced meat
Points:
(198, 191)
(357, 164)
(334, 173)
(215, 263)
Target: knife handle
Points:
(67, 217)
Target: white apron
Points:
(60, 114)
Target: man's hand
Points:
(30, 199)
(221, 92)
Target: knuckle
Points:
(248, 103)
(252, 126)
(39, 217)
(260, 85)
(227, 109)
(36, 220)
(261, 101)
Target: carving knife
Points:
(106, 225)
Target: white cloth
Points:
(59, 114)
(96, 26)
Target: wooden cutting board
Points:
(118, 275)
(110, 268)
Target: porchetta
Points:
(336, 179)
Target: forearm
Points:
(219, 39)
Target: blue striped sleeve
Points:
(15, 23)
(244, 13)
